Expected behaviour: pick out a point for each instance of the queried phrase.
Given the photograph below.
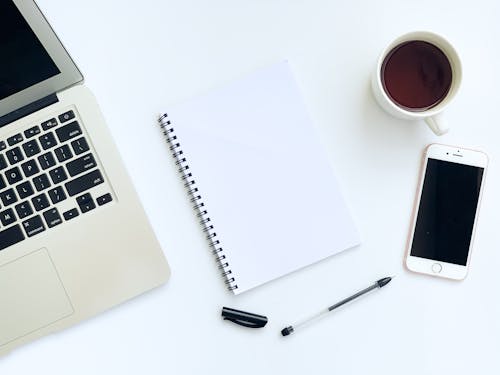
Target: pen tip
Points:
(287, 331)
(383, 282)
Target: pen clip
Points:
(244, 318)
(245, 323)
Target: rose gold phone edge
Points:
(413, 217)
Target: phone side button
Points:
(436, 268)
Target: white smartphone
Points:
(446, 211)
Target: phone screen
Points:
(447, 211)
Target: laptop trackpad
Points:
(31, 296)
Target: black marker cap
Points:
(244, 318)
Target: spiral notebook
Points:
(258, 178)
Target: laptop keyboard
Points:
(48, 175)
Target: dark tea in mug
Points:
(416, 75)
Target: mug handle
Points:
(438, 124)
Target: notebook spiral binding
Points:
(197, 201)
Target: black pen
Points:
(377, 285)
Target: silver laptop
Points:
(74, 239)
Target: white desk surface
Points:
(140, 56)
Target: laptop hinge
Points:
(28, 109)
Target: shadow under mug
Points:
(433, 116)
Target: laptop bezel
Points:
(69, 73)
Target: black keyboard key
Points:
(13, 175)
(7, 217)
(85, 202)
(41, 182)
(31, 148)
(71, 214)
(63, 153)
(33, 226)
(3, 162)
(58, 175)
(57, 194)
(25, 190)
(8, 197)
(40, 202)
(46, 125)
(85, 182)
(2, 183)
(11, 236)
(66, 116)
(52, 217)
(30, 168)
(106, 198)
(47, 160)
(31, 132)
(15, 139)
(3, 146)
(80, 146)
(69, 131)
(47, 141)
(24, 209)
(14, 155)
(80, 165)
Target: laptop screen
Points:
(24, 60)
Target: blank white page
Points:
(263, 176)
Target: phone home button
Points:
(436, 268)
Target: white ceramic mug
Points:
(432, 116)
